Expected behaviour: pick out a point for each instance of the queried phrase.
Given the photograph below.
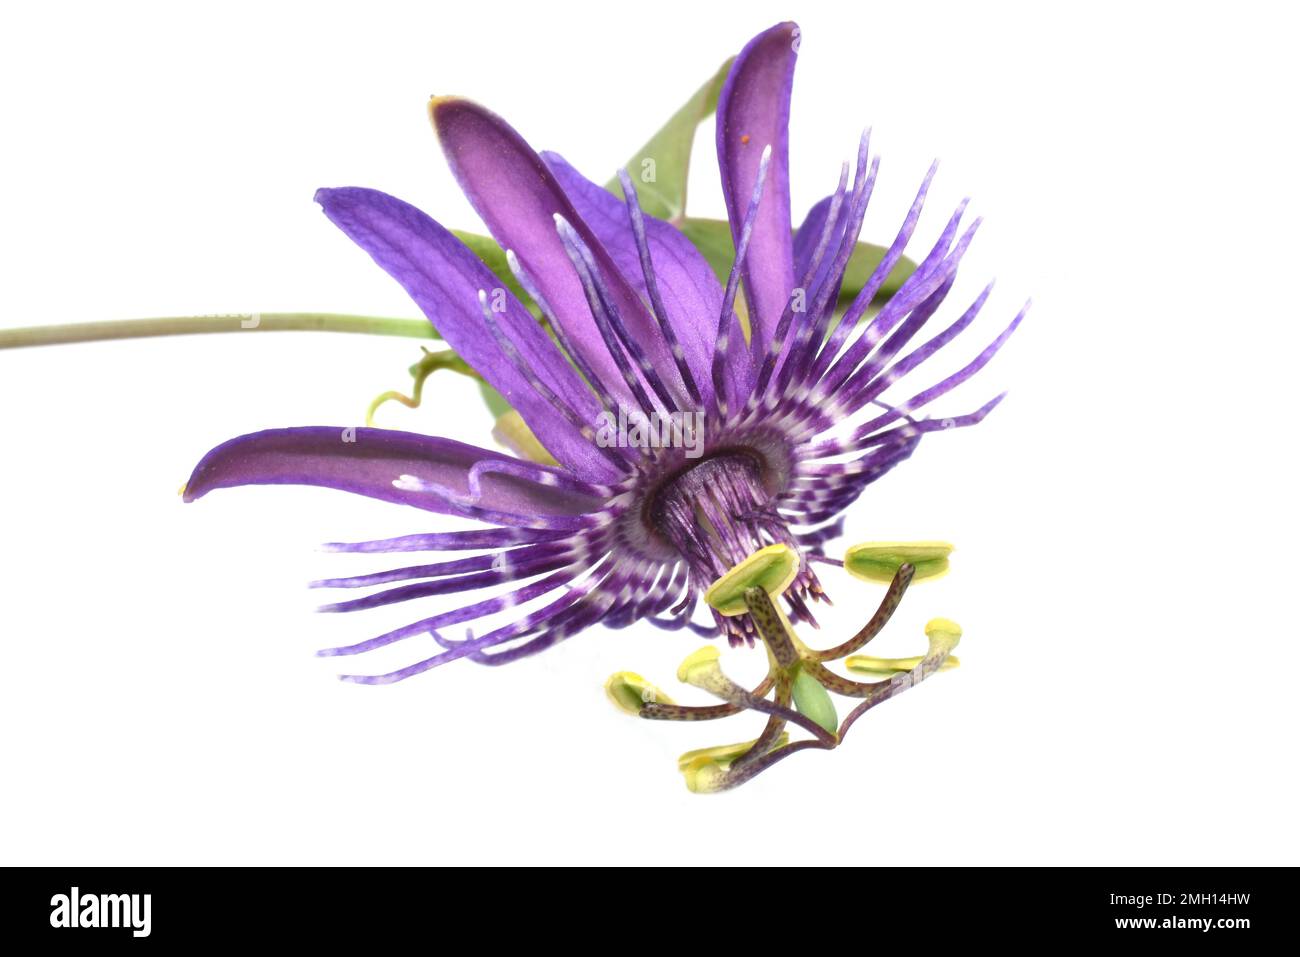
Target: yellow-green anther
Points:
(943, 634)
(705, 770)
(879, 561)
(943, 630)
(812, 701)
(630, 692)
(724, 754)
(870, 665)
(704, 776)
(772, 568)
(699, 666)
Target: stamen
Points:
(725, 780)
(772, 628)
(774, 734)
(871, 665)
(944, 636)
(727, 753)
(629, 692)
(773, 569)
(660, 711)
(888, 605)
(703, 671)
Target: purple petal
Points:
(807, 238)
(444, 277)
(518, 198)
(808, 234)
(689, 287)
(754, 112)
(367, 461)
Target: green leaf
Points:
(494, 257)
(494, 400)
(661, 166)
(866, 257)
(712, 237)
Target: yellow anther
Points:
(870, 665)
(630, 692)
(772, 568)
(724, 754)
(943, 634)
(704, 776)
(698, 664)
(943, 628)
(705, 770)
(879, 561)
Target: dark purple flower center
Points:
(718, 512)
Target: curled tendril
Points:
(430, 363)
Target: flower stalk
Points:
(67, 333)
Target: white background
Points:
(1124, 521)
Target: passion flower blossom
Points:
(793, 422)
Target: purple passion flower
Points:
(776, 422)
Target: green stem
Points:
(192, 325)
